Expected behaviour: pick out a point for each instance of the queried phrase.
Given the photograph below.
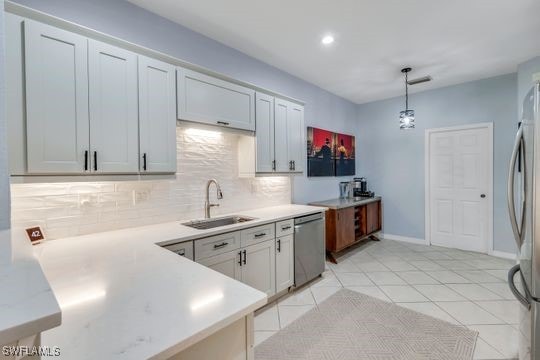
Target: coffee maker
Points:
(359, 188)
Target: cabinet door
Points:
(345, 226)
(296, 147)
(281, 131)
(157, 116)
(284, 262)
(56, 99)
(264, 118)
(259, 267)
(206, 99)
(290, 152)
(373, 217)
(228, 264)
(114, 123)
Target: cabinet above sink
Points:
(209, 100)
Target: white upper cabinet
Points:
(289, 136)
(283, 161)
(296, 146)
(157, 116)
(114, 121)
(209, 100)
(264, 110)
(279, 139)
(57, 133)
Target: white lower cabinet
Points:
(253, 265)
(258, 268)
(227, 264)
(284, 262)
(262, 262)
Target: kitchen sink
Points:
(217, 222)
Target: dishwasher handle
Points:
(308, 219)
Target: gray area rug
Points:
(354, 326)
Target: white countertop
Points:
(27, 303)
(124, 297)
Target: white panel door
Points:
(157, 116)
(264, 119)
(114, 122)
(210, 100)
(56, 99)
(296, 146)
(460, 182)
(259, 267)
(281, 115)
(284, 262)
(227, 263)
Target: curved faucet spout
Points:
(219, 195)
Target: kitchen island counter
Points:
(124, 297)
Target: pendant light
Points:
(406, 117)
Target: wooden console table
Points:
(349, 221)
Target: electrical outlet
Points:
(141, 195)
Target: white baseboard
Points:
(404, 239)
(502, 254)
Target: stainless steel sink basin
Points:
(217, 222)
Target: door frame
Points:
(489, 193)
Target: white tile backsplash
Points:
(76, 208)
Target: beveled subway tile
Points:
(28, 202)
(177, 198)
(90, 188)
(39, 189)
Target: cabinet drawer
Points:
(184, 249)
(215, 245)
(284, 227)
(257, 234)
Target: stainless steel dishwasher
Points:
(309, 248)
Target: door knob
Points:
(483, 196)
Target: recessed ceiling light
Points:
(327, 40)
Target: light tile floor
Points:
(460, 287)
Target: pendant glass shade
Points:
(406, 119)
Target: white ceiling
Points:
(453, 40)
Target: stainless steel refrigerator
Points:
(524, 209)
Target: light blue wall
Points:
(393, 159)
(129, 22)
(4, 180)
(525, 72)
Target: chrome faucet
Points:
(207, 204)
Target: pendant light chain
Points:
(407, 90)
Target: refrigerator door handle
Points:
(522, 298)
(517, 229)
